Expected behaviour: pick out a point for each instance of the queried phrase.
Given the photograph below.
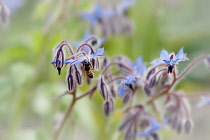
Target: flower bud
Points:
(147, 89)
(107, 108)
(187, 126)
(93, 62)
(153, 82)
(78, 78)
(103, 89)
(151, 72)
(126, 98)
(70, 82)
(96, 64)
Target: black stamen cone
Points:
(170, 68)
(59, 70)
(130, 86)
(94, 42)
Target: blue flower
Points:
(130, 80)
(154, 126)
(139, 68)
(75, 62)
(203, 101)
(97, 15)
(122, 90)
(128, 83)
(98, 52)
(170, 60)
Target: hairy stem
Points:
(191, 65)
(88, 92)
(150, 101)
(70, 108)
(68, 113)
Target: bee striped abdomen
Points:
(89, 74)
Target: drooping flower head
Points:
(170, 59)
(138, 69)
(80, 59)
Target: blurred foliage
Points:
(28, 82)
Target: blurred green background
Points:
(28, 82)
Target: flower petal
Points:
(69, 61)
(138, 61)
(164, 55)
(76, 62)
(122, 90)
(157, 63)
(86, 36)
(141, 70)
(101, 41)
(98, 52)
(154, 126)
(130, 80)
(179, 55)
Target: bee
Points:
(87, 67)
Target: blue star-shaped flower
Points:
(170, 60)
(128, 83)
(97, 15)
(139, 67)
(98, 52)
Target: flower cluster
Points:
(112, 20)
(120, 77)
(81, 61)
(157, 81)
(170, 59)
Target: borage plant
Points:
(120, 77)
